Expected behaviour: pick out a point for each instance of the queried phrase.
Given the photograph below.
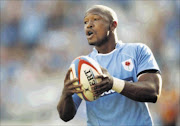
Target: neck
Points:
(109, 45)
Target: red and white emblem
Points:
(128, 65)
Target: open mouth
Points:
(89, 34)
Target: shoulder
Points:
(130, 49)
(134, 48)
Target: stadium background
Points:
(39, 39)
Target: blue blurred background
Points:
(39, 39)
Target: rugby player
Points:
(132, 76)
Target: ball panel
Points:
(72, 76)
(81, 61)
(95, 64)
(87, 79)
(85, 69)
(76, 64)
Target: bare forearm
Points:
(143, 91)
(66, 108)
(147, 89)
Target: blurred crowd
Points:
(39, 39)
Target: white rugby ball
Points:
(85, 68)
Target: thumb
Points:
(68, 75)
(104, 71)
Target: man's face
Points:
(96, 26)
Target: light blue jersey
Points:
(125, 62)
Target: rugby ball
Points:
(85, 69)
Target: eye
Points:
(95, 19)
(85, 22)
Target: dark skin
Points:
(66, 107)
(147, 89)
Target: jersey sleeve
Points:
(145, 59)
(77, 100)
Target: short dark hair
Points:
(105, 10)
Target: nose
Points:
(90, 24)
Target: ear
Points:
(113, 25)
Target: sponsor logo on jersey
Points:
(128, 65)
(107, 92)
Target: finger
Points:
(98, 85)
(68, 74)
(97, 89)
(77, 91)
(103, 69)
(102, 76)
(98, 93)
(75, 86)
(101, 90)
(99, 77)
(71, 81)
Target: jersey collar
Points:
(118, 44)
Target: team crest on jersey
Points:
(128, 65)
